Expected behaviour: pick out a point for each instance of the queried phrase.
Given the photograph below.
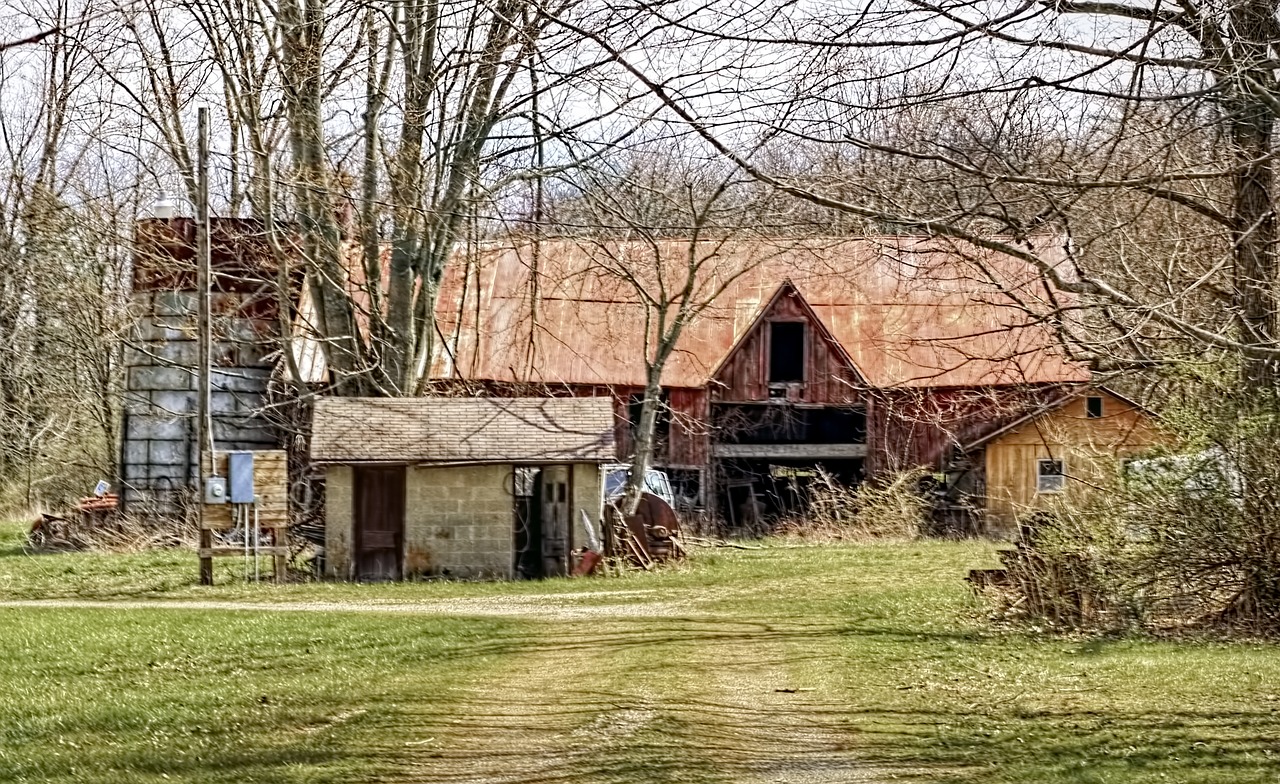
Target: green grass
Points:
(141, 696)
(896, 672)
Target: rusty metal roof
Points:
(462, 430)
(909, 312)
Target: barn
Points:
(459, 487)
(846, 357)
(850, 358)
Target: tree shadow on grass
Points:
(954, 741)
(1077, 745)
(753, 733)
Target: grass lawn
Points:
(785, 664)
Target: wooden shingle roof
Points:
(462, 430)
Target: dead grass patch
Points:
(889, 510)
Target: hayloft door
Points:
(379, 523)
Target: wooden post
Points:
(205, 339)
(206, 561)
(278, 562)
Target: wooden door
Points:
(528, 521)
(555, 522)
(379, 523)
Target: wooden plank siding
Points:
(270, 483)
(622, 420)
(687, 442)
(828, 377)
(1088, 447)
(914, 428)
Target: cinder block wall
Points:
(459, 521)
(339, 521)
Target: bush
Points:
(112, 534)
(1186, 542)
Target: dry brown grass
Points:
(113, 534)
(891, 510)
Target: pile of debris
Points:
(1048, 585)
(95, 523)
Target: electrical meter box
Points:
(215, 490)
(240, 474)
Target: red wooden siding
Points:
(919, 427)
(829, 379)
(689, 433)
(686, 444)
(622, 421)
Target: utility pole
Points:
(204, 275)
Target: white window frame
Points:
(1061, 476)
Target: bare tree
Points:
(366, 138)
(62, 263)
(458, 103)
(1146, 110)
(674, 233)
(1144, 133)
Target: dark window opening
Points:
(786, 352)
(838, 426)
(662, 417)
(785, 424)
(686, 485)
(661, 422)
(1093, 407)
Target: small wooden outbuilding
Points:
(460, 487)
(1067, 443)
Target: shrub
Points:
(1192, 541)
(113, 534)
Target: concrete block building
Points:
(460, 487)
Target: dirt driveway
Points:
(544, 607)
(637, 685)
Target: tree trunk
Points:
(302, 25)
(642, 444)
(1252, 121)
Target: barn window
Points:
(1050, 476)
(1093, 407)
(662, 418)
(786, 352)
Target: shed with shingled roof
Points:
(460, 487)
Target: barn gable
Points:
(788, 353)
